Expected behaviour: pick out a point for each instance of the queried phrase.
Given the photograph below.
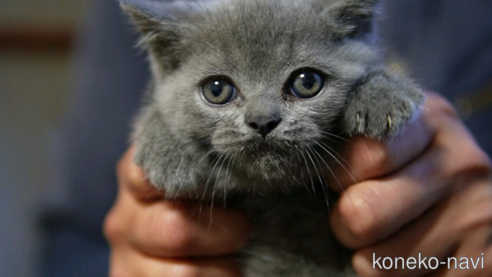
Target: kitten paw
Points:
(382, 105)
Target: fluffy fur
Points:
(193, 149)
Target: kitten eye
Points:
(218, 91)
(307, 84)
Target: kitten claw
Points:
(382, 105)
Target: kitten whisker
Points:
(177, 193)
(338, 161)
(218, 173)
(206, 134)
(228, 174)
(203, 157)
(214, 191)
(309, 171)
(336, 136)
(208, 180)
(340, 185)
(201, 141)
(329, 168)
(323, 184)
(302, 171)
(314, 165)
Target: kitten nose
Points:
(264, 125)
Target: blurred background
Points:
(36, 74)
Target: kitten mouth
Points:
(265, 147)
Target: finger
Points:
(477, 246)
(374, 209)
(131, 177)
(366, 158)
(173, 229)
(188, 230)
(126, 263)
(426, 239)
(458, 227)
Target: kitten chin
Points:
(275, 160)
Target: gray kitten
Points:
(247, 104)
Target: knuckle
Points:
(477, 213)
(112, 228)
(118, 266)
(441, 106)
(118, 271)
(369, 272)
(187, 270)
(480, 214)
(123, 165)
(360, 214)
(380, 161)
(474, 163)
(120, 167)
(362, 261)
(175, 232)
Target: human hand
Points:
(427, 191)
(150, 236)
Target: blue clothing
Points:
(446, 43)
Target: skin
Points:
(428, 191)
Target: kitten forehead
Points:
(262, 36)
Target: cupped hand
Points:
(150, 236)
(427, 191)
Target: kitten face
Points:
(268, 47)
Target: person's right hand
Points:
(150, 236)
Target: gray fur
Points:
(190, 148)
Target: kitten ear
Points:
(161, 30)
(141, 14)
(354, 17)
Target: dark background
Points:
(36, 38)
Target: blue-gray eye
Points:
(307, 84)
(218, 91)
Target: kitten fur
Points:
(192, 149)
